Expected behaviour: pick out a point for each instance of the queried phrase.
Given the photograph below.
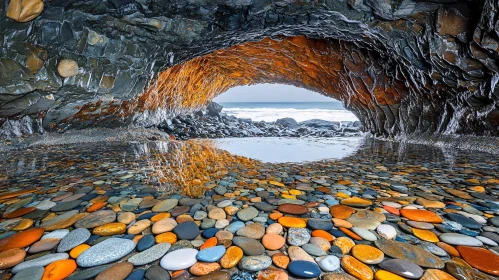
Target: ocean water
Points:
(300, 111)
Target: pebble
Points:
(403, 268)
(165, 205)
(107, 251)
(460, 239)
(272, 241)
(255, 263)
(292, 209)
(356, 268)
(231, 257)
(386, 231)
(298, 236)
(404, 251)
(304, 269)
(481, 259)
(150, 255)
(21, 239)
(96, 219)
(73, 239)
(179, 259)
(156, 272)
(367, 254)
(364, 233)
(30, 273)
(250, 247)
(43, 245)
(328, 263)
(116, 271)
(60, 269)
(211, 254)
(255, 231)
(186, 230)
(247, 214)
(11, 257)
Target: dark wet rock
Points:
(287, 122)
(186, 230)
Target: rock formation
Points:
(403, 67)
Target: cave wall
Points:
(404, 67)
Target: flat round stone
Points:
(319, 224)
(304, 269)
(165, 205)
(292, 209)
(250, 246)
(247, 214)
(145, 242)
(211, 254)
(107, 251)
(148, 256)
(65, 206)
(73, 239)
(298, 236)
(403, 268)
(367, 254)
(464, 221)
(420, 215)
(364, 233)
(179, 259)
(11, 257)
(481, 259)
(328, 263)
(460, 239)
(186, 230)
(255, 263)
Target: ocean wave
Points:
(272, 114)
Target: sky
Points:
(271, 93)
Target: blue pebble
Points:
(468, 232)
(398, 238)
(452, 206)
(89, 196)
(235, 226)
(336, 232)
(128, 236)
(211, 254)
(136, 275)
(146, 242)
(332, 202)
(92, 238)
(208, 233)
(304, 269)
(146, 216)
(269, 222)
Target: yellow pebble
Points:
(292, 222)
(386, 275)
(342, 195)
(295, 192)
(167, 237)
(425, 235)
(76, 251)
(24, 224)
(288, 196)
(160, 216)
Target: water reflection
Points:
(192, 167)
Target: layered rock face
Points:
(403, 67)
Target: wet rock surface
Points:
(248, 219)
(403, 67)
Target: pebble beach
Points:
(171, 210)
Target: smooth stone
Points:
(304, 269)
(65, 206)
(73, 239)
(367, 254)
(365, 234)
(486, 240)
(420, 215)
(96, 219)
(292, 209)
(41, 261)
(339, 276)
(136, 275)
(212, 254)
(45, 205)
(403, 268)
(313, 250)
(107, 251)
(356, 268)
(231, 257)
(298, 236)
(148, 256)
(366, 219)
(274, 228)
(235, 226)
(247, 214)
(460, 239)
(179, 259)
(435, 274)
(186, 230)
(272, 241)
(250, 246)
(156, 272)
(328, 263)
(59, 234)
(30, 273)
(56, 222)
(46, 244)
(11, 257)
(481, 259)
(255, 263)
(296, 253)
(356, 202)
(116, 271)
(340, 211)
(319, 224)
(464, 221)
(420, 225)
(386, 231)
(165, 205)
(164, 225)
(145, 242)
(404, 251)
(126, 217)
(255, 231)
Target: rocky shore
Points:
(213, 123)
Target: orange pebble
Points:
(96, 206)
(211, 242)
(449, 249)
(350, 233)
(136, 238)
(59, 270)
(276, 215)
(324, 234)
(391, 210)
(76, 251)
(167, 237)
(21, 239)
(178, 272)
(160, 216)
